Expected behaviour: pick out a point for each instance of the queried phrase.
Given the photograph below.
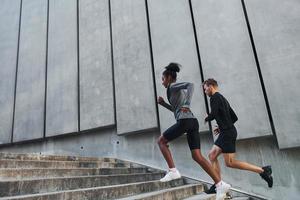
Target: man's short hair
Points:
(211, 82)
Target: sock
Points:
(173, 169)
(219, 184)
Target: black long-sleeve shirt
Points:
(221, 111)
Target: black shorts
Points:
(189, 126)
(226, 140)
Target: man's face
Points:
(165, 81)
(208, 90)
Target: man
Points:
(225, 144)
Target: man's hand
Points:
(216, 131)
(160, 100)
(184, 109)
(205, 118)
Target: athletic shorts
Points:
(189, 126)
(226, 140)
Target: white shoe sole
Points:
(221, 197)
(169, 180)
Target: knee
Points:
(158, 141)
(197, 156)
(229, 163)
(212, 156)
(161, 141)
(194, 156)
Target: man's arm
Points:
(214, 105)
(233, 116)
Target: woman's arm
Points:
(162, 102)
(167, 106)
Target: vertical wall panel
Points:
(30, 95)
(62, 85)
(96, 84)
(173, 41)
(9, 26)
(276, 31)
(227, 56)
(135, 101)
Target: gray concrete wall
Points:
(62, 68)
(100, 74)
(9, 23)
(30, 91)
(135, 100)
(226, 55)
(96, 84)
(276, 31)
(173, 40)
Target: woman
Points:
(179, 96)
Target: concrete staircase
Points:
(49, 177)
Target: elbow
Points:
(191, 85)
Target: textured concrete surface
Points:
(135, 181)
(173, 41)
(28, 164)
(36, 156)
(275, 26)
(108, 192)
(62, 83)
(30, 93)
(22, 187)
(202, 197)
(135, 101)
(226, 55)
(171, 193)
(9, 25)
(13, 174)
(96, 82)
(143, 149)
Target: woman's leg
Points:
(208, 168)
(164, 148)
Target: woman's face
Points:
(166, 80)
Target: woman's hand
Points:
(160, 100)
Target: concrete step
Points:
(175, 193)
(107, 192)
(36, 156)
(202, 196)
(15, 173)
(34, 186)
(6, 163)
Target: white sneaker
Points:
(171, 175)
(222, 190)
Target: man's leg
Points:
(164, 148)
(213, 157)
(230, 161)
(265, 172)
